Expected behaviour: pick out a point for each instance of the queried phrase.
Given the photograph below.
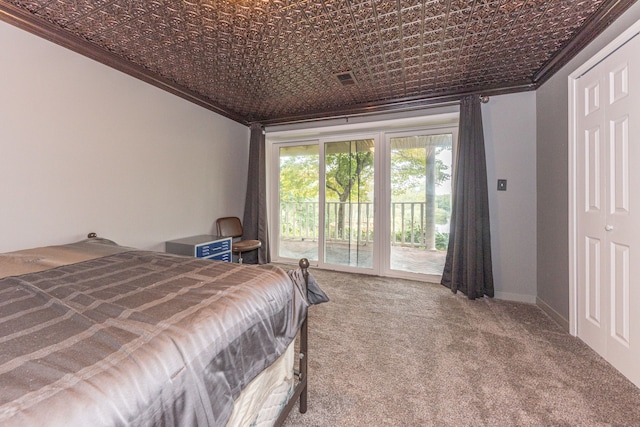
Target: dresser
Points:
(202, 246)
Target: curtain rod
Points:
(390, 110)
(348, 116)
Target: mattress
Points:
(262, 400)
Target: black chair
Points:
(231, 226)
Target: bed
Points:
(93, 333)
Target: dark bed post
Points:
(301, 388)
(304, 348)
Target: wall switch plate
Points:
(502, 185)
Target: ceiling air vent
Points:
(347, 78)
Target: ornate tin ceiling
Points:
(278, 60)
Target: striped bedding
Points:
(137, 337)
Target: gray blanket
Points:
(139, 338)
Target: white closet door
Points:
(608, 202)
(591, 207)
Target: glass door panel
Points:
(298, 202)
(349, 196)
(420, 180)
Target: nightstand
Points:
(202, 246)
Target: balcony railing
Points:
(412, 224)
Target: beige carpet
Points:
(389, 352)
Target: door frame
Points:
(375, 127)
(323, 141)
(619, 41)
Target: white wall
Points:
(510, 142)
(86, 148)
(553, 160)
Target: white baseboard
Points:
(557, 317)
(508, 296)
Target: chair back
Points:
(229, 226)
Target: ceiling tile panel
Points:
(276, 60)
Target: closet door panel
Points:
(622, 121)
(620, 294)
(591, 168)
(608, 208)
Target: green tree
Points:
(416, 171)
(409, 167)
(348, 175)
(299, 178)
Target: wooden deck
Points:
(409, 259)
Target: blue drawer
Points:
(225, 256)
(209, 249)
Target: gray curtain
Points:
(255, 221)
(468, 264)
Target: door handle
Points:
(608, 227)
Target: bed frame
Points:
(300, 391)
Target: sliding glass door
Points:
(349, 194)
(419, 201)
(298, 201)
(379, 204)
(331, 224)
